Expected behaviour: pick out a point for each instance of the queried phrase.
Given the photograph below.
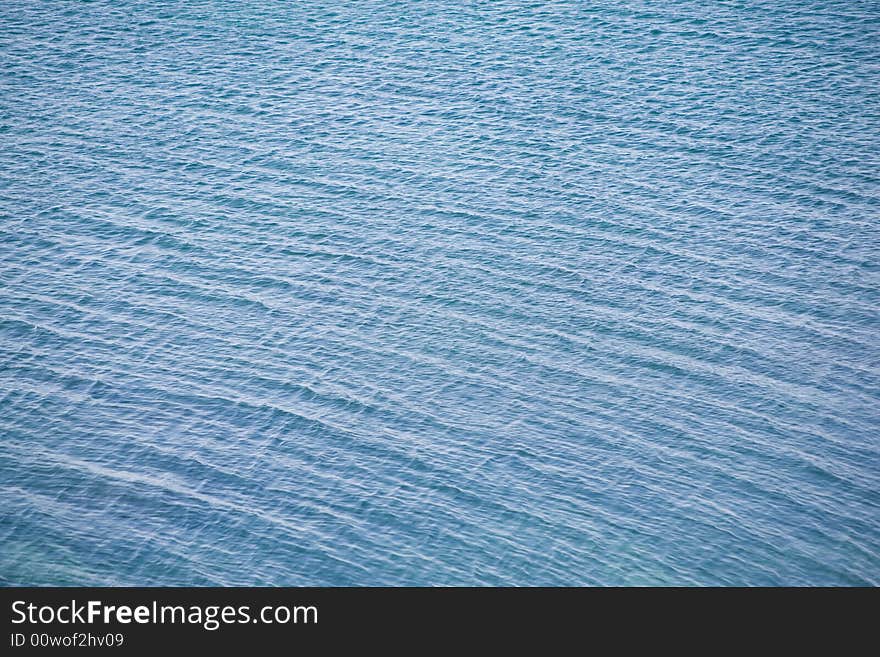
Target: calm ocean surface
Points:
(326, 293)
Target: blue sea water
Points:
(440, 293)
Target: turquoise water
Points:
(439, 293)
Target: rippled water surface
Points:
(439, 292)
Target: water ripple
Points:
(439, 293)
